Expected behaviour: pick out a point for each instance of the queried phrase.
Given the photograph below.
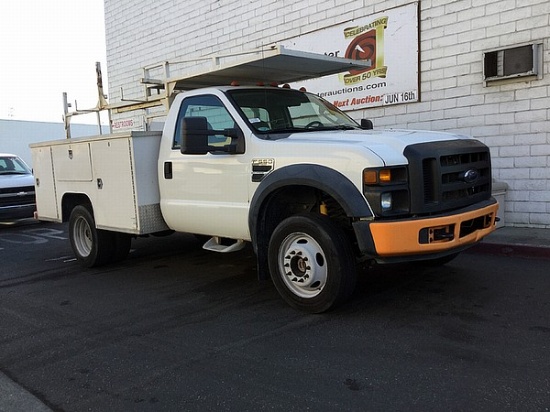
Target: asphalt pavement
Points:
(506, 241)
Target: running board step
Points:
(220, 244)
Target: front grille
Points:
(448, 175)
(15, 196)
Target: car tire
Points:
(311, 263)
(92, 247)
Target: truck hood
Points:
(386, 144)
(10, 181)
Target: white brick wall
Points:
(513, 119)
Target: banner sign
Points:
(386, 42)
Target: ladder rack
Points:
(265, 65)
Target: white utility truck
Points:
(314, 191)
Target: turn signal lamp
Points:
(394, 175)
(370, 177)
(385, 176)
(374, 177)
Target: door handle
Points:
(168, 170)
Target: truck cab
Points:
(236, 162)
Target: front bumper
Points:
(17, 212)
(426, 237)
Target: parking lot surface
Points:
(177, 328)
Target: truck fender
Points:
(330, 181)
(72, 199)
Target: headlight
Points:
(387, 190)
(386, 201)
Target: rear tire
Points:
(311, 263)
(92, 247)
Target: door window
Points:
(217, 117)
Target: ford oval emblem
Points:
(470, 176)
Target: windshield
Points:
(286, 110)
(10, 165)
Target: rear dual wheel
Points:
(95, 247)
(311, 263)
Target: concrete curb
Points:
(516, 242)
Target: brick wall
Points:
(513, 119)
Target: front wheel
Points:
(91, 246)
(311, 263)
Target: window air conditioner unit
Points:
(513, 63)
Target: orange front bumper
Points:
(433, 235)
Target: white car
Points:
(17, 197)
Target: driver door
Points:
(207, 193)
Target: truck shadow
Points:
(223, 277)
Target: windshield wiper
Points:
(12, 172)
(338, 127)
(308, 129)
(289, 130)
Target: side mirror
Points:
(194, 135)
(197, 138)
(366, 124)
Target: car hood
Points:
(11, 181)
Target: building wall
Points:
(512, 119)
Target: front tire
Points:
(92, 247)
(311, 263)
